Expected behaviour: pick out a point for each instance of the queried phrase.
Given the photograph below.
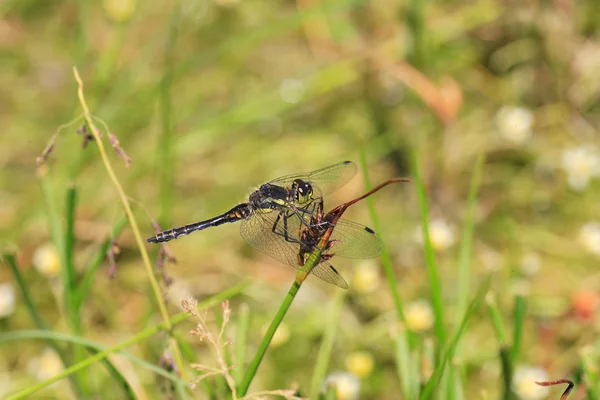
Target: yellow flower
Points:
(46, 261)
(360, 363)
(366, 277)
(523, 383)
(7, 300)
(347, 386)
(119, 10)
(419, 316)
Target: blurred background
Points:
(210, 98)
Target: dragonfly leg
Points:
(285, 235)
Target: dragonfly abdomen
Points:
(237, 213)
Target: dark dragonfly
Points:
(272, 207)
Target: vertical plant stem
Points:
(241, 336)
(125, 200)
(327, 344)
(432, 273)
(264, 344)
(519, 319)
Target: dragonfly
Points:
(274, 205)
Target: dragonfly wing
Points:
(326, 272)
(352, 240)
(257, 231)
(324, 180)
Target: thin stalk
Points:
(430, 262)
(125, 200)
(327, 344)
(519, 319)
(264, 344)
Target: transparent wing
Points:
(258, 232)
(352, 240)
(326, 272)
(324, 180)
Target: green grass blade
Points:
(407, 365)
(496, 317)
(519, 319)
(89, 344)
(448, 354)
(241, 337)
(432, 273)
(37, 319)
(386, 259)
(69, 242)
(466, 245)
(326, 347)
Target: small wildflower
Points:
(366, 277)
(419, 316)
(347, 385)
(581, 165)
(530, 264)
(523, 383)
(514, 124)
(291, 90)
(589, 236)
(46, 261)
(119, 10)
(7, 300)
(441, 234)
(47, 365)
(360, 363)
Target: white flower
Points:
(47, 365)
(46, 261)
(581, 165)
(530, 264)
(514, 123)
(291, 90)
(523, 383)
(419, 316)
(7, 300)
(441, 234)
(347, 385)
(589, 236)
(360, 363)
(366, 277)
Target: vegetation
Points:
(122, 118)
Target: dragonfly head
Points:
(303, 190)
